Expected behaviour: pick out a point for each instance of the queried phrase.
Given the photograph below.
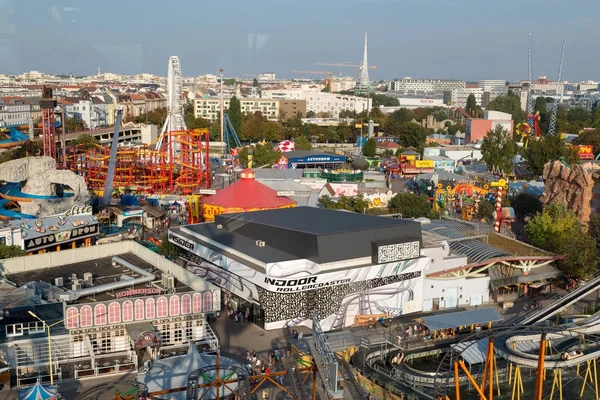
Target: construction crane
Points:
(360, 67)
(328, 81)
(557, 98)
(345, 65)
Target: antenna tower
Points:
(557, 96)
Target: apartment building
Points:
(459, 96)
(14, 110)
(319, 102)
(92, 110)
(424, 85)
(210, 109)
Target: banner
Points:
(424, 163)
(585, 151)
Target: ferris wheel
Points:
(175, 121)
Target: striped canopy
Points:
(39, 392)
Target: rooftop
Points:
(102, 270)
(315, 234)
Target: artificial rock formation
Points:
(39, 177)
(569, 186)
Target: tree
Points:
(302, 143)
(355, 203)
(85, 141)
(252, 127)
(382, 100)
(453, 128)
(347, 114)
(215, 131)
(578, 116)
(156, 117)
(509, 103)
(74, 125)
(541, 107)
(255, 83)
(558, 230)
(292, 128)
(344, 132)
(485, 210)
(310, 114)
(272, 131)
(548, 148)
(408, 134)
(402, 115)
(410, 205)
(498, 150)
(11, 251)
(234, 112)
(262, 155)
(471, 104)
(197, 123)
(167, 249)
(370, 148)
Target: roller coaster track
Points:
(295, 380)
(556, 304)
(350, 383)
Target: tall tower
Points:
(364, 86)
(364, 71)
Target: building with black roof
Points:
(280, 265)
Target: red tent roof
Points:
(248, 193)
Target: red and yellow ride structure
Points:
(181, 166)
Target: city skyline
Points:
(446, 39)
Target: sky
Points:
(461, 39)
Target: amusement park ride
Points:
(178, 162)
(531, 129)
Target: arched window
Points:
(139, 309)
(186, 304)
(207, 301)
(150, 311)
(197, 303)
(162, 307)
(114, 313)
(100, 314)
(86, 316)
(174, 305)
(127, 311)
(72, 318)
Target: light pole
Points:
(49, 343)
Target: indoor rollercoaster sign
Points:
(311, 283)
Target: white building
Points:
(319, 102)
(266, 77)
(459, 96)
(588, 85)
(424, 85)
(453, 152)
(210, 108)
(413, 102)
(92, 111)
(14, 110)
(342, 83)
(489, 85)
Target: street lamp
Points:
(49, 344)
